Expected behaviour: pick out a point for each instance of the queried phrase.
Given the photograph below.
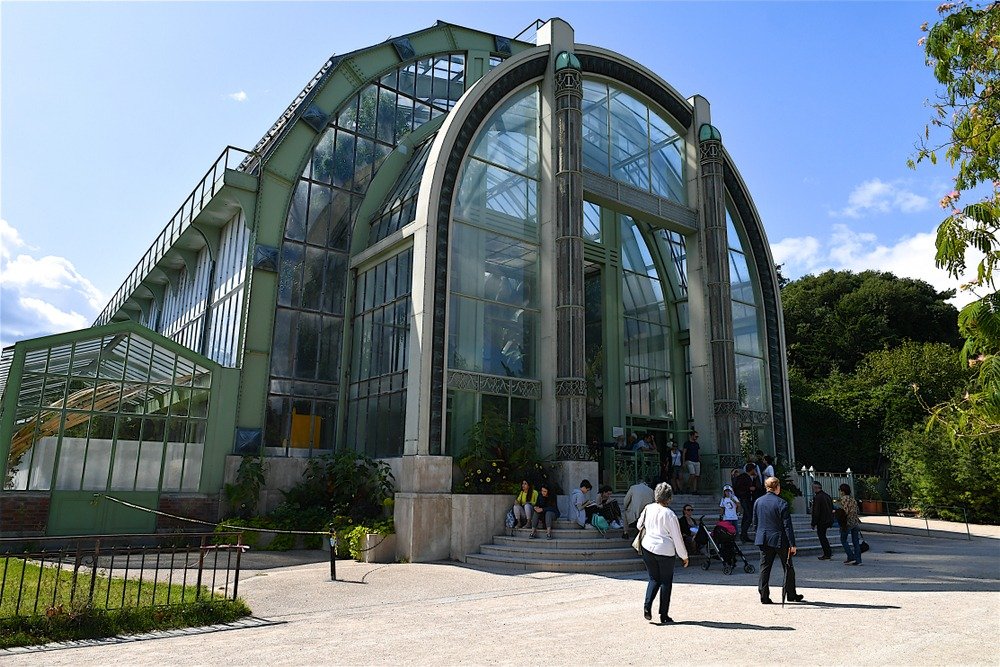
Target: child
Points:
(729, 507)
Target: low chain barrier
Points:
(331, 534)
(53, 574)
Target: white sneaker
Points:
(616, 524)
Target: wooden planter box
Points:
(872, 507)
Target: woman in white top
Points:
(661, 542)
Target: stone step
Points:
(571, 533)
(491, 562)
(558, 542)
(542, 550)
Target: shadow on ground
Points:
(895, 563)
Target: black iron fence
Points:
(52, 575)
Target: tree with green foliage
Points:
(964, 50)
(955, 459)
(846, 419)
(832, 320)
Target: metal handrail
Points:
(207, 187)
(923, 511)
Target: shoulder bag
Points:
(637, 542)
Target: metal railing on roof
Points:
(210, 184)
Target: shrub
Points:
(499, 454)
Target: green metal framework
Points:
(114, 408)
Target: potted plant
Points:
(871, 500)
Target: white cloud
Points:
(239, 96)
(9, 240)
(846, 249)
(878, 196)
(40, 295)
(53, 316)
(803, 251)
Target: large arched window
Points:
(493, 308)
(751, 369)
(309, 322)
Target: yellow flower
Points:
(487, 479)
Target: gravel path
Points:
(916, 601)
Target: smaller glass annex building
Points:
(441, 226)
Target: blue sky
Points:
(111, 112)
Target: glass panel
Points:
(750, 383)
(591, 222)
(126, 464)
(493, 267)
(630, 141)
(745, 331)
(596, 147)
(491, 338)
(318, 220)
(323, 159)
(739, 278)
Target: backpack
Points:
(600, 523)
(510, 521)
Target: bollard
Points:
(333, 554)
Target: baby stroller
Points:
(722, 540)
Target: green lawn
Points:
(50, 610)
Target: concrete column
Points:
(720, 309)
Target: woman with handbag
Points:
(659, 542)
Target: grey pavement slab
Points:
(915, 601)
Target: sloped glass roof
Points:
(118, 356)
(400, 205)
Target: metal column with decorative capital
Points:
(571, 384)
(720, 308)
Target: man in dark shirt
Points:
(747, 487)
(822, 518)
(691, 456)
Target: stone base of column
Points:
(569, 474)
(423, 526)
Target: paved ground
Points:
(916, 601)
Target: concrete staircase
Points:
(571, 549)
(575, 549)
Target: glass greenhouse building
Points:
(441, 226)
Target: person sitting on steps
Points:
(607, 507)
(523, 504)
(545, 512)
(578, 503)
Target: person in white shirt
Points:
(729, 508)
(768, 470)
(661, 543)
(578, 502)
